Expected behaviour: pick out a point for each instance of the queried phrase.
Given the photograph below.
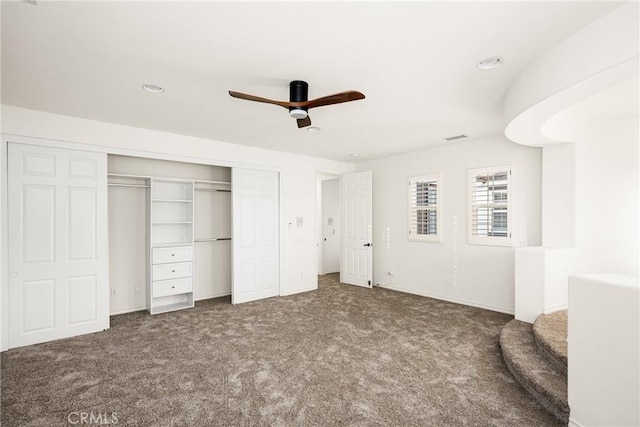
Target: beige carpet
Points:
(341, 355)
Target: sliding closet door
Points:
(57, 205)
(256, 266)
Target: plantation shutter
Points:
(424, 205)
(489, 205)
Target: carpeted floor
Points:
(341, 355)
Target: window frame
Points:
(428, 238)
(490, 240)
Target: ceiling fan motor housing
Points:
(298, 92)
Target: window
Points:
(489, 214)
(424, 208)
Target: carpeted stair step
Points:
(550, 332)
(532, 370)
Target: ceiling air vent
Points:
(453, 138)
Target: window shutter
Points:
(424, 208)
(489, 216)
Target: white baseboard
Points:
(218, 295)
(299, 291)
(449, 299)
(127, 310)
(555, 308)
(574, 423)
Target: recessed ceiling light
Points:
(489, 63)
(152, 88)
(354, 155)
(313, 129)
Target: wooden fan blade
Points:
(350, 95)
(248, 97)
(303, 123)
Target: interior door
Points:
(357, 221)
(256, 235)
(58, 266)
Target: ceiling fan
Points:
(299, 104)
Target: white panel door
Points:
(357, 220)
(256, 265)
(58, 266)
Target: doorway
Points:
(344, 227)
(330, 226)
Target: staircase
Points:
(536, 355)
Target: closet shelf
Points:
(162, 178)
(172, 307)
(171, 244)
(171, 222)
(127, 176)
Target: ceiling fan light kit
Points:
(298, 92)
(299, 103)
(297, 113)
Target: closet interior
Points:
(169, 234)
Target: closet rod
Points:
(128, 185)
(212, 189)
(212, 239)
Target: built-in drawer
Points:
(173, 254)
(172, 271)
(172, 287)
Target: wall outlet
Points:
(113, 292)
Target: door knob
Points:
(367, 244)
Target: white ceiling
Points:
(414, 61)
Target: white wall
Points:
(607, 197)
(604, 332)
(558, 196)
(297, 173)
(607, 173)
(541, 278)
(453, 270)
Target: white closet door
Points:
(256, 266)
(58, 267)
(357, 218)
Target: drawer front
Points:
(172, 287)
(177, 254)
(172, 271)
